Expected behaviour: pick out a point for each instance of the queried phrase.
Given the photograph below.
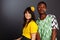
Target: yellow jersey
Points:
(29, 29)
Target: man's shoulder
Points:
(51, 15)
(38, 19)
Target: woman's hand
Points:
(19, 38)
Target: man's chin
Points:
(41, 12)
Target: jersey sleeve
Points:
(33, 27)
(54, 22)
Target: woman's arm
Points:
(33, 36)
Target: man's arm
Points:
(38, 36)
(54, 33)
(54, 27)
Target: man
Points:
(47, 23)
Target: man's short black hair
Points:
(42, 2)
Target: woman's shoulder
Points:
(32, 22)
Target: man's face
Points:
(41, 8)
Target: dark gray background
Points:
(11, 16)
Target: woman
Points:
(30, 27)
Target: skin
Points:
(27, 15)
(42, 11)
(38, 36)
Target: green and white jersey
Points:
(45, 26)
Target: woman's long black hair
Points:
(32, 16)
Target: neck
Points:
(27, 21)
(42, 16)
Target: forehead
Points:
(26, 12)
(41, 5)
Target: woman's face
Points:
(27, 15)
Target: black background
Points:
(11, 16)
